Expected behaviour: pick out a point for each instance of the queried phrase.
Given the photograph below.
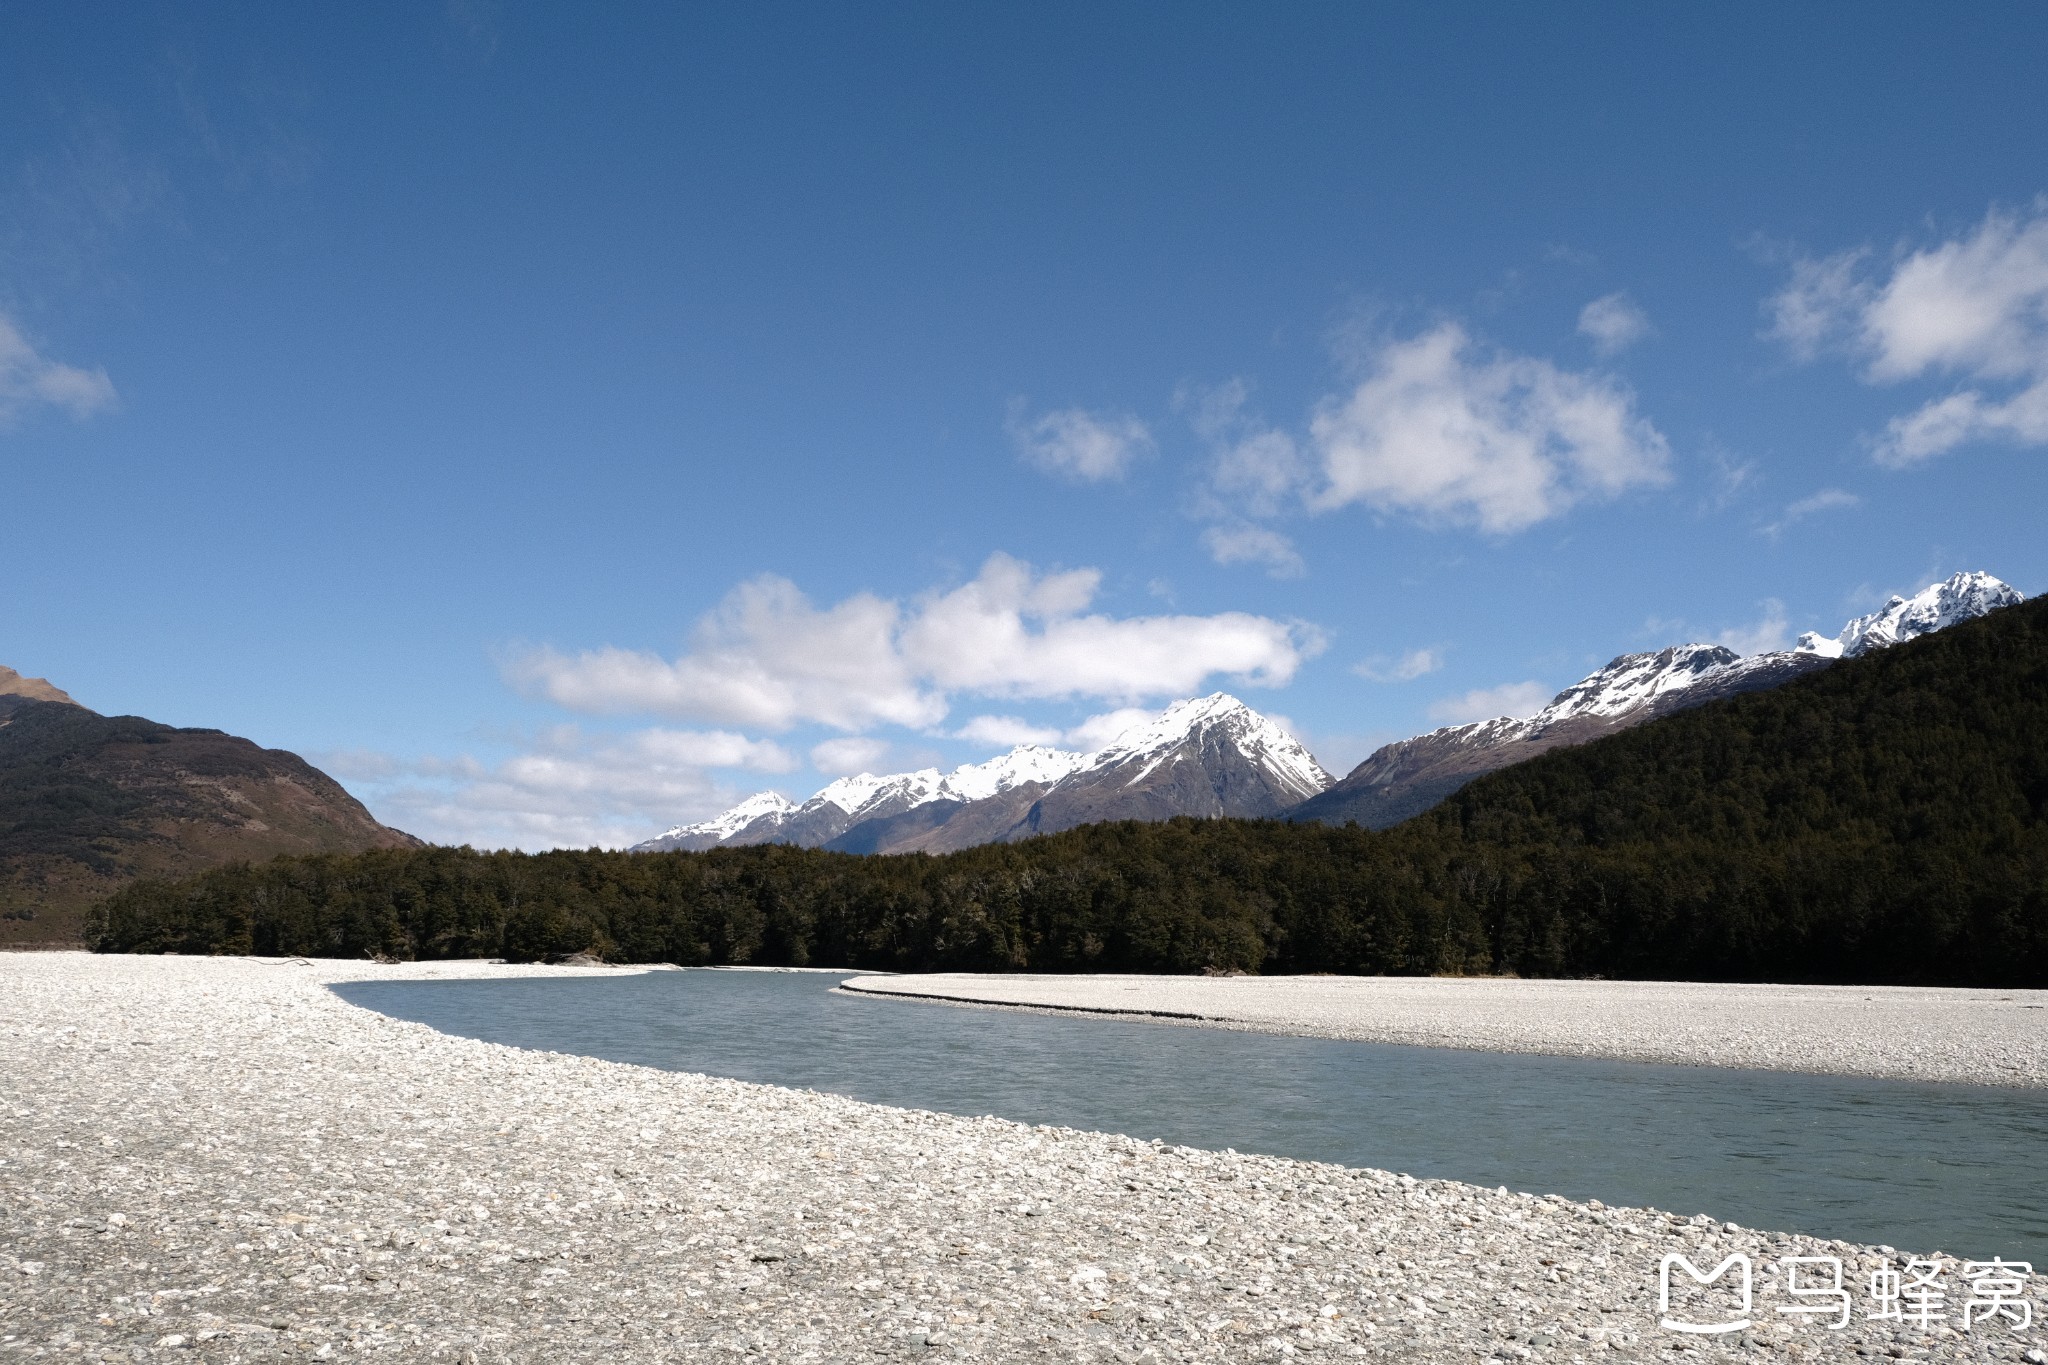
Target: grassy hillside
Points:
(88, 803)
(1882, 821)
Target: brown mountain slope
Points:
(88, 803)
(12, 684)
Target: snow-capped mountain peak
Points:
(864, 793)
(1205, 730)
(851, 793)
(1634, 680)
(724, 826)
(1627, 684)
(1176, 723)
(1258, 738)
(1025, 763)
(1960, 598)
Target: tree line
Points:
(1881, 821)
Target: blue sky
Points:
(558, 423)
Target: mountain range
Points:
(88, 803)
(1215, 756)
(1882, 820)
(1209, 756)
(1408, 777)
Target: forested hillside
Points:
(1882, 821)
(89, 802)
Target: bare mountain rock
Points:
(12, 684)
(89, 802)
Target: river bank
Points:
(220, 1154)
(1961, 1036)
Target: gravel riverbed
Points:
(218, 1159)
(1972, 1037)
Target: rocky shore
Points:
(218, 1159)
(1971, 1037)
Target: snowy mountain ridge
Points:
(1960, 598)
(1630, 682)
(1410, 775)
(1257, 737)
(1292, 771)
(755, 807)
(1214, 755)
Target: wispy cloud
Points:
(1100, 731)
(1008, 732)
(1613, 323)
(769, 658)
(1096, 732)
(479, 24)
(1974, 306)
(1826, 500)
(1416, 663)
(1085, 447)
(30, 380)
(565, 789)
(852, 754)
(1246, 543)
(1769, 632)
(1732, 478)
(1488, 703)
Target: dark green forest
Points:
(1881, 821)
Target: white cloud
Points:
(1614, 323)
(1975, 307)
(565, 790)
(1487, 703)
(1436, 430)
(1815, 306)
(1096, 732)
(1499, 442)
(1263, 470)
(1088, 447)
(768, 657)
(1942, 425)
(1256, 470)
(1007, 731)
(1732, 477)
(853, 754)
(1768, 633)
(1012, 633)
(765, 657)
(28, 380)
(1414, 664)
(1826, 500)
(1246, 543)
(1099, 732)
(1254, 473)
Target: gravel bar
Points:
(1972, 1037)
(219, 1159)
